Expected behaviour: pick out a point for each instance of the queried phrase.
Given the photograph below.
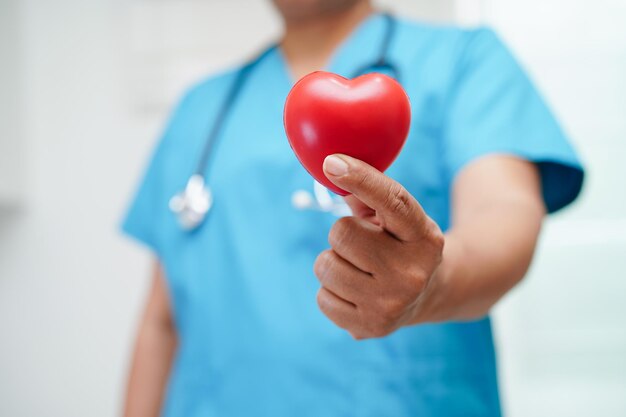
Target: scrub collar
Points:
(360, 48)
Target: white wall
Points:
(95, 81)
(563, 333)
(69, 286)
(10, 145)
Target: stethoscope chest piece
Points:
(193, 203)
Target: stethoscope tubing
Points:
(185, 205)
(242, 76)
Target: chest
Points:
(254, 164)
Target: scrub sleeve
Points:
(494, 108)
(148, 214)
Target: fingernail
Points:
(335, 166)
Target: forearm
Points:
(151, 363)
(482, 260)
(389, 264)
(153, 354)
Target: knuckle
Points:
(394, 307)
(340, 231)
(398, 200)
(436, 237)
(322, 301)
(415, 283)
(322, 263)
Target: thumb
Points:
(396, 209)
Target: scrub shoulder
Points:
(483, 101)
(214, 85)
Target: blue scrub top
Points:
(252, 339)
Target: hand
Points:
(382, 259)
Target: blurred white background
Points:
(85, 87)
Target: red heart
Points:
(367, 118)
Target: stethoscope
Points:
(192, 204)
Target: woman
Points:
(400, 326)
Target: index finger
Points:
(398, 211)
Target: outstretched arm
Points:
(390, 265)
(497, 211)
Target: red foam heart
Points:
(367, 118)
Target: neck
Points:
(308, 44)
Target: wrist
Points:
(439, 300)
